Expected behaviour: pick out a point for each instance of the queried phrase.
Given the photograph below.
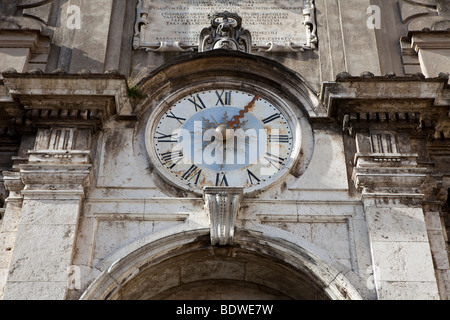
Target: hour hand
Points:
(236, 121)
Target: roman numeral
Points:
(197, 102)
(279, 138)
(192, 174)
(171, 159)
(172, 116)
(252, 176)
(275, 161)
(167, 137)
(224, 98)
(272, 118)
(221, 180)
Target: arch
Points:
(225, 65)
(272, 261)
(161, 266)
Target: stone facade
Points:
(362, 213)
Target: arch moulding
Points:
(148, 263)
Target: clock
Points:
(223, 137)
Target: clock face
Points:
(224, 138)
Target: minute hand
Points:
(236, 119)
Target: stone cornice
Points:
(222, 65)
(54, 181)
(45, 99)
(429, 40)
(54, 174)
(31, 39)
(368, 87)
(406, 103)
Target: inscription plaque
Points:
(175, 25)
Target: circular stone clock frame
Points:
(218, 70)
(195, 176)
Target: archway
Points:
(184, 266)
(220, 273)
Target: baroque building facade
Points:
(321, 169)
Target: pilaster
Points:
(435, 207)
(435, 223)
(401, 254)
(55, 179)
(391, 120)
(11, 146)
(63, 112)
(9, 225)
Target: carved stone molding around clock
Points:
(214, 78)
(222, 204)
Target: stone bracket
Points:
(222, 204)
(14, 185)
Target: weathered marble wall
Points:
(81, 200)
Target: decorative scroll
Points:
(176, 25)
(25, 14)
(419, 15)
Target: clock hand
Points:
(214, 120)
(236, 119)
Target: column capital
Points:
(389, 175)
(54, 180)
